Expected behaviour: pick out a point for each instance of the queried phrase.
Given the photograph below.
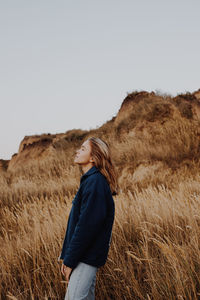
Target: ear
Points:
(91, 159)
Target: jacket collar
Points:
(92, 170)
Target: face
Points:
(83, 154)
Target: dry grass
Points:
(154, 252)
(155, 249)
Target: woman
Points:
(89, 228)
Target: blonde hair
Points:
(101, 155)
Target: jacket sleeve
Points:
(92, 215)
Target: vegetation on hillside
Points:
(155, 249)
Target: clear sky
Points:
(70, 64)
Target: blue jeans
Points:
(81, 285)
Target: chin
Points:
(76, 162)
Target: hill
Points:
(139, 114)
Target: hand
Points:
(66, 271)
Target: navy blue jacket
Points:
(89, 228)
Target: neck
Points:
(85, 168)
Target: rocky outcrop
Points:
(33, 147)
(38, 147)
(138, 109)
(129, 103)
(161, 106)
